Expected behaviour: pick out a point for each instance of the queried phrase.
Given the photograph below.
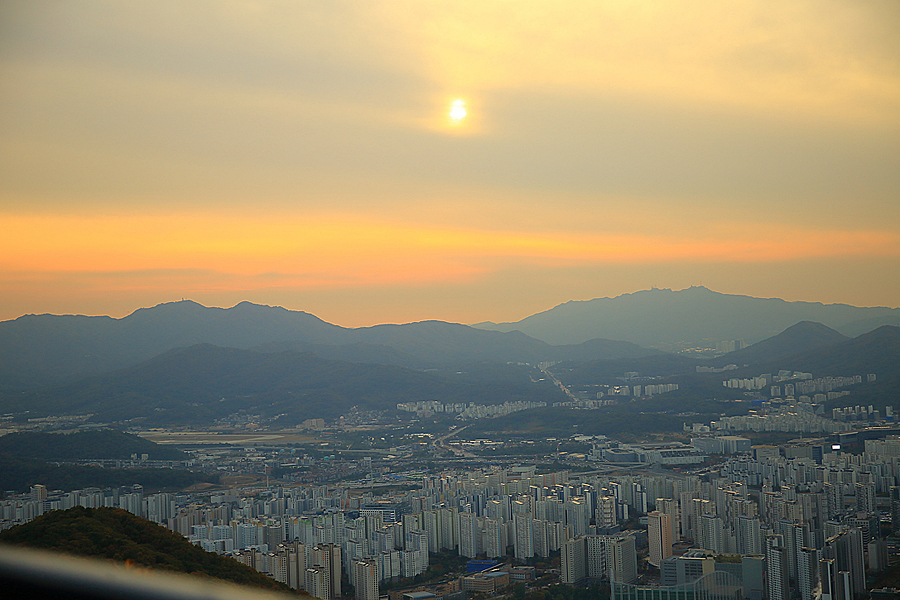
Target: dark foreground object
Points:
(34, 574)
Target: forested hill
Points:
(27, 458)
(114, 534)
(202, 383)
(18, 474)
(105, 444)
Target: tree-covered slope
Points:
(805, 336)
(19, 474)
(106, 444)
(204, 382)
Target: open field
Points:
(269, 438)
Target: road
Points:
(559, 384)
(441, 444)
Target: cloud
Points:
(834, 60)
(302, 251)
(201, 103)
(302, 145)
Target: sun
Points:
(457, 111)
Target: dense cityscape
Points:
(712, 514)
(478, 300)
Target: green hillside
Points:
(201, 383)
(19, 474)
(804, 337)
(875, 352)
(117, 535)
(611, 421)
(106, 444)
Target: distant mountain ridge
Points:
(203, 382)
(36, 350)
(877, 352)
(806, 347)
(39, 350)
(671, 320)
(804, 337)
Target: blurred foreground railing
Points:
(35, 574)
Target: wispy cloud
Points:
(239, 148)
(315, 251)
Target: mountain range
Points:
(182, 363)
(37, 350)
(674, 320)
(805, 336)
(701, 396)
(807, 347)
(203, 382)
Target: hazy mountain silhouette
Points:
(806, 346)
(662, 365)
(602, 349)
(667, 319)
(358, 352)
(40, 349)
(204, 382)
(876, 352)
(805, 336)
(858, 328)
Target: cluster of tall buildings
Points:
(763, 524)
(286, 531)
(799, 418)
(599, 557)
(649, 389)
(316, 569)
(862, 413)
(805, 416)
(17, 510)
(789, 384)
(759, 382)
(469, 410)
(726, 346)
(814, 528)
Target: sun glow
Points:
(458, 111)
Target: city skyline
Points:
(465, 162)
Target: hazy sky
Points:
(302, 154)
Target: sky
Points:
(303, 154)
